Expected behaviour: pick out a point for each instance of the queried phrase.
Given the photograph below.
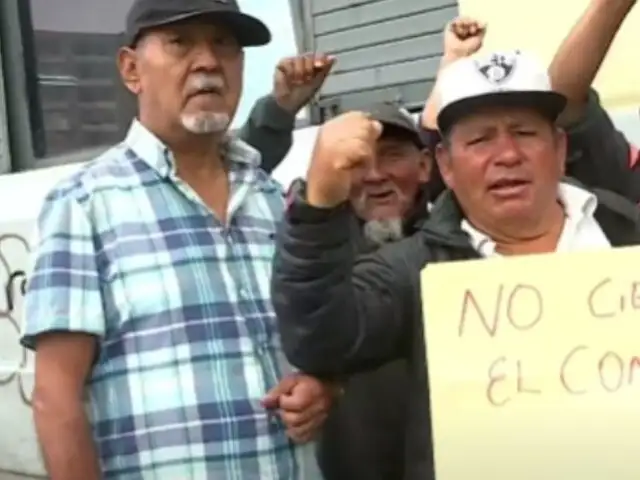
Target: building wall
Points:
(386, 49)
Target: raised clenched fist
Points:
(344, 145)
(298, 79)
(463, 37)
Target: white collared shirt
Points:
(581, 230)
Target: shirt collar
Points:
(577, 203)
(150, 149)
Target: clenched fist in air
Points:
(344, 145)
(298, 79)
(463, 37)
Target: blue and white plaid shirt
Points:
(181, 306)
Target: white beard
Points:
(380, 232)
(205, 122)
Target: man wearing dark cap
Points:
(502, 160)
(150, 291)
(363, 437)
(389, 197)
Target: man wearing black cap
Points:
(389, 197)
(151, 280)
(502, 159)
(363, 437)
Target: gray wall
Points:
(386, 49)
(87, 16)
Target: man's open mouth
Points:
(206, 91)
(508, 184)
(381, 196)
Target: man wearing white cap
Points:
(502, 160)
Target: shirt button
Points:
(244, 294)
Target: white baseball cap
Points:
(496, 79)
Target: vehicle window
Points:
(76, 102)
(76, 99)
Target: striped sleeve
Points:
(63, 292)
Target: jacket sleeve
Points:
(269, 129)
(339, 314)
(600, 156)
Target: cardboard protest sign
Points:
(541, 26)
(534, 366)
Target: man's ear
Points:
(426, 165)
(443, 157)
(127, 62)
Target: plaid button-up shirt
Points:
(180, 304)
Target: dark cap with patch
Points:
(147, 14)
(391, 115)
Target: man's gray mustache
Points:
(204, 83)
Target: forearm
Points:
(571, 74)
(429, 115)
(311, 290)
(67, 442)
(269, 129)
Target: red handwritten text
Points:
(602, 306)
(501, 387)
(520, 305)
(610, 371)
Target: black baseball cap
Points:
(391, 115)
(147, 14)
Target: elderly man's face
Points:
(503, 164)
(187, 74)
(387, 190)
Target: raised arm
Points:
(269, 128)
(599, 154)
(339, 314)
(594, 32)
(462, 37)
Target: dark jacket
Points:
(269, 129)
(339, 314)
(599, 155)
(363, 438)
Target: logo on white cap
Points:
(498, 67)
(497, 72)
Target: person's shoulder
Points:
(408, 254)
(247, 157)
(101, 172)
